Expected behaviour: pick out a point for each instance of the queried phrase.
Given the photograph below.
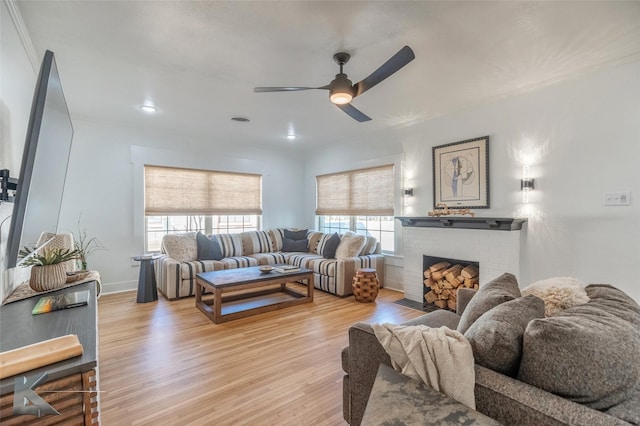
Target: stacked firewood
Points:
(443, 280)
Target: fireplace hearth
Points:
(442, 277)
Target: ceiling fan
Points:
(342, 90)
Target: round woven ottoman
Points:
(365, 285)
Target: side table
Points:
(147, 291)
(365, 285)
(399, 400)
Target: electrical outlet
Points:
(621, 198)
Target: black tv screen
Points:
(44, 163)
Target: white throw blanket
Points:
(440, 357)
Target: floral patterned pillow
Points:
(181, 247)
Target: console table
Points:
(18, 328)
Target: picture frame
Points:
(461, 174)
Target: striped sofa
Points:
(176, 273)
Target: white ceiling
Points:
(199, 61)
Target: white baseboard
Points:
(108, 288)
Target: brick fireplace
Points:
(494, 247)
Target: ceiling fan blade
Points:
(397, 61)
(285, 89)
(354, 112)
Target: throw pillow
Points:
(489, 295)
(327, 245)
(208, 247)
(276, 235)
(586, 353)
(314, 237)
(369, 246)
(294, 245)
(496, 337)
(296, 235)
(558, 293)
(181, 247)
(256, 242)
(231, 244)
(350, 245)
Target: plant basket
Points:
(48, 277)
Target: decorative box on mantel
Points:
(473, 239)
(461, 222)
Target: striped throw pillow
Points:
(231, 244)
(256, 242)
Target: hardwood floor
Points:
(167, 363)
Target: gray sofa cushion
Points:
(588, 353)
(289, 245)
(295, 235)
(497, 291)
(437, 319)
(496, 337)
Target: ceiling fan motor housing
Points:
(341, 90)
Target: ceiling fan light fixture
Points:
(341, 90)
(341, 98)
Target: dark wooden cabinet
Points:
(72, 385)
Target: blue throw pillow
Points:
(330, 246)
(295, 235)
(294, 245)
(208, 247)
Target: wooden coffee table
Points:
(250, 292)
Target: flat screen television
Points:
(44, 164)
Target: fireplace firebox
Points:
(442, 278)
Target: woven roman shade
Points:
(172, 191)
(356, 192)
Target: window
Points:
(381, 227)
(360, 201)
(182, 200)
(158, 226)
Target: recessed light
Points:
(148, 108)
(291, 136)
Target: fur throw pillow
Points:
(350, 245)
(558, 293)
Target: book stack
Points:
(287, 269)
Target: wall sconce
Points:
(408, 192)
(527, 184)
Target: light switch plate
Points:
(620, 198)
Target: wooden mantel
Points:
(462, 222)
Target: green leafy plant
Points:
(46, 256)
(85, 246)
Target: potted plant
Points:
(48, 270)
(85, 246)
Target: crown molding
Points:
(18, 22)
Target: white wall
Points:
(17, 82)
(583, 138)
(105, 187)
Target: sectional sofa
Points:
(176, 273)
(578, 366)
